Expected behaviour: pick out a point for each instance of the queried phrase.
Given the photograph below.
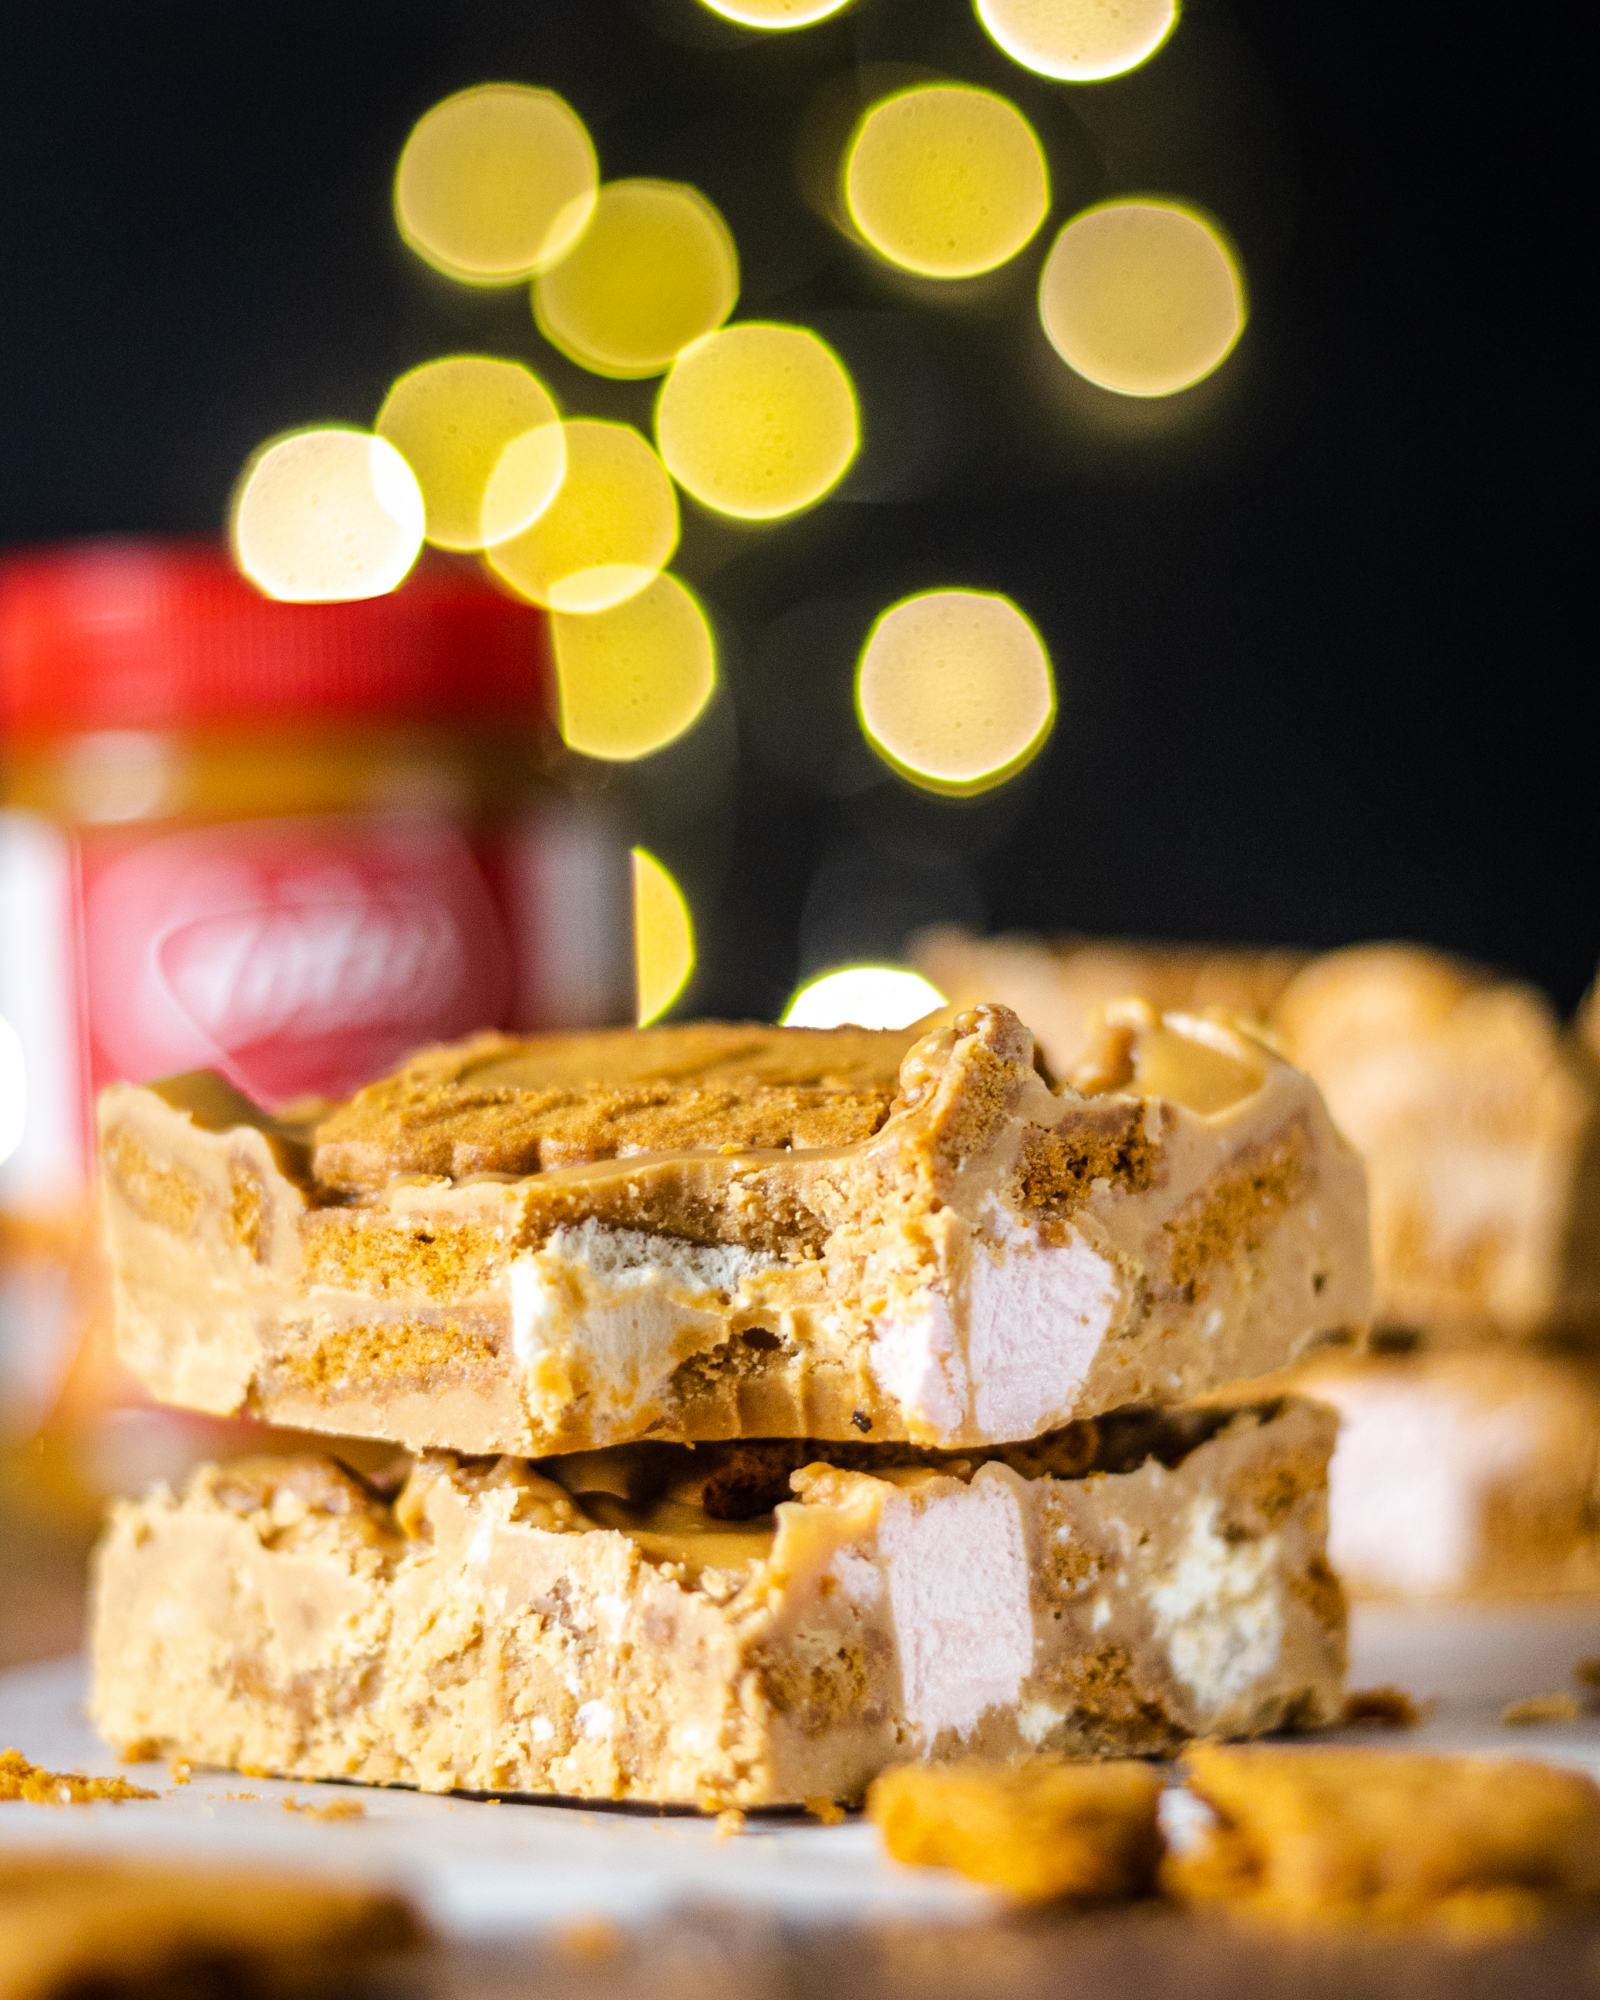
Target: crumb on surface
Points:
(180, 1770)
(1534, 1709)
(1586, 1673)
(140, 1750)
(334, 1809)
(730, 1822)
(1383, 1708)
(828, 1811)
(23, 1782)
(589, 1940)
(1040, 1831)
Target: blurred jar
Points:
(288, 842)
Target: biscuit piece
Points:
(1313, 1834)
(1463, 1474)
(1477, 1112)
(72, 1925)
(734, 1232)
(629, 1625)
(1041, 1831)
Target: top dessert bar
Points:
(704, 1232)
(1476, 1109)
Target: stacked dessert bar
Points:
(1477, 1432)
(780, 1404)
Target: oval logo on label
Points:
(299, 958)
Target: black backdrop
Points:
(1314, 623)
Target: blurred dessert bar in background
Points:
(1464, 1473)
(746, 1625)
(560, 1243)
(1469, 1466)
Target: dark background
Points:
(1312, 622)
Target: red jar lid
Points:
(168, 635)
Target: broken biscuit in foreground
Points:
(666, 1625)
(1040, 1831)
(688, 1233)
(76, 1925)
(1309, 1834)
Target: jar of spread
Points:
(287, 842)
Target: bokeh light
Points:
(633, 678)
(13, 1091)
(954, 689)
(455, 421)
(324, 516)
(663, 937)
(758, 420)
(775, 14)
(655, 269)
(946, 180)
(863, 996)
(1142, 297)
(496, 183)
(1078, 41)
(611, 528)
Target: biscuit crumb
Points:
(1311, 1836)
(1383, 1708)
(1536, 1708)
(588, 1940)
(141, 1750)
(730, 1823)
(1587, 1674)
(828, 1811)
(335, 1809)
(25, 1783)
(1041, 1831)
(240, 1797)
(180, 1770)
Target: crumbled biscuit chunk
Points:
(1383, 1708)
(24, 1782)
(72, 1925)
(1312, 1834)
(1534, 1709)
(1041, 1831)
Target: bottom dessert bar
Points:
(738, 1625)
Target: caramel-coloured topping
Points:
(505, 1105)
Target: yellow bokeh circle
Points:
(455, 422)
(632, 679)
(759, 420)
(1078, 41)
(611, 528)
(496, 183)
(954, 689)
(775, 14)
(663, 938)
(324, 516)
(863, 996)
(655, 269)
(1140, 296)
(945, 180)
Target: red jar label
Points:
(297, 957)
